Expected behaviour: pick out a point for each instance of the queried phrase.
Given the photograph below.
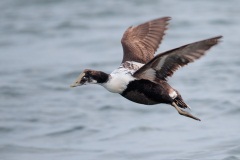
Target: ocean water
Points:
(44, 46)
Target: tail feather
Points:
(179, 101)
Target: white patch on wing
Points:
(183, 60)
(137, 64)
(119, 79)
(173, 94)
(131, 65)
(161, 63)
(149, 74)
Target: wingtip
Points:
(214, 40)
(167, 17)
(218, 37)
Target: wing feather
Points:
(141, 42)
(165, 64)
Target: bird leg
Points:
(184, 113)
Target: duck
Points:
(142, 77)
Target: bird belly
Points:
(138, 97)
(147, 92)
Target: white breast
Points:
(120, 78)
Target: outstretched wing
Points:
(141, 42)
(165, 64)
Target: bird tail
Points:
(179, 101)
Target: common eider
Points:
(142, 77)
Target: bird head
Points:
(89, 76)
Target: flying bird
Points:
(142, 77)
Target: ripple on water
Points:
(11, 92)
(66, 131)
(231, 158)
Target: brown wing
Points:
(165, 64)
(141, 42)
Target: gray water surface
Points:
(45, 44)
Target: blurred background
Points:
(46, 44)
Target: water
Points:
(45, 44)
